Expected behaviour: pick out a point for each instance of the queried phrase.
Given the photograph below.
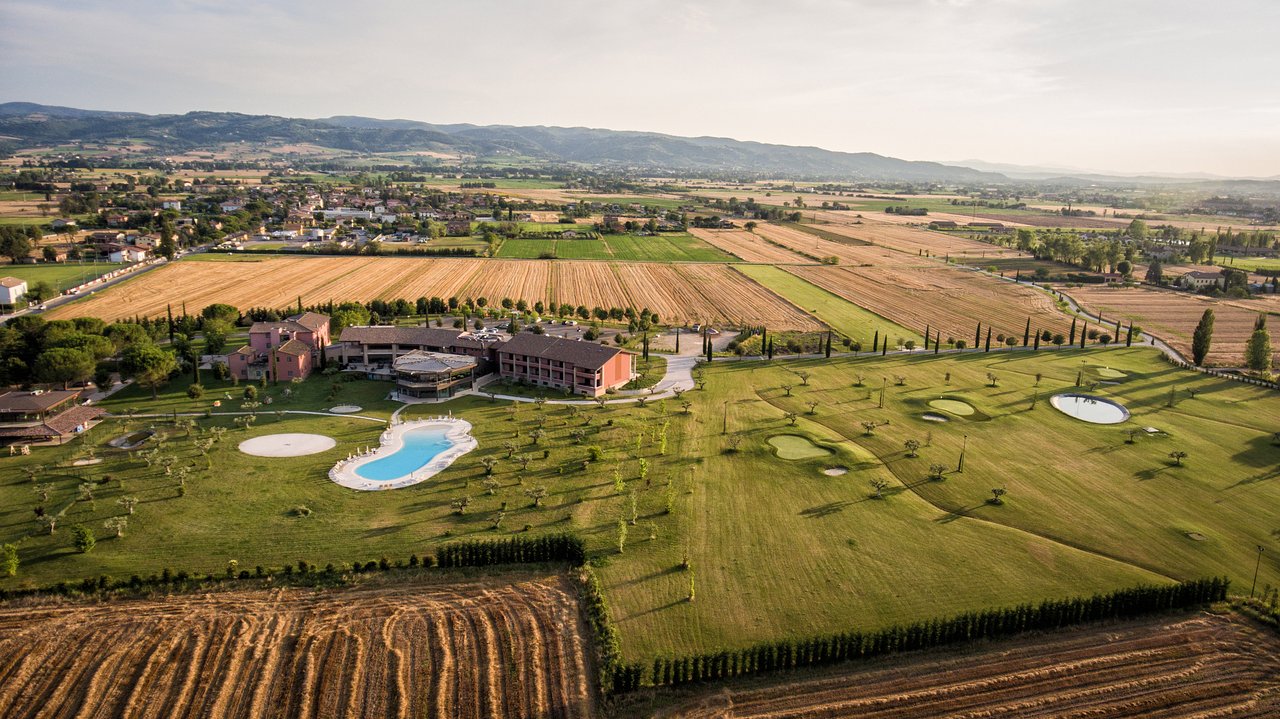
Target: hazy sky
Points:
(1145, 85)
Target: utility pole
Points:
(1256, 565)
(963, 447)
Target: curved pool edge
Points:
(457, 431)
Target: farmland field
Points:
(1198, 665)
(941, 296)
(749, 246)
(62, 275)
(845, 317)
(461, 648)
(1172, 316)
(696, 292)
(654, 248)
(910, 240)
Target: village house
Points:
(60, 223)
(11, 291)
(171, 205)
(44, 416)
(286, 350)
(126, 253)
(117, 220)
(1199, 279)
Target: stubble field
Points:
(1199, 665)
(679, 293)
(469, 648)
(1173, 316)
(943, 298)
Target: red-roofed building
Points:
(282, 350)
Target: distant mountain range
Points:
(24, 124)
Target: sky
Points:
(1169, 86)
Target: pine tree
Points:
(1202, 338)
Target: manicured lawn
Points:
(843, 316)
(775, 547)
(61, 276)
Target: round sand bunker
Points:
(345, 409)
(835, 471)
(287, 445)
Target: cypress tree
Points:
(977, 336)
(884, 347)
(875, 342)
(1037, 341)
(1128, 338)
(926, 337)
(937, 342)
(1084, 332)
(1026, 333)
(828, 344)
(988, 348)
(1072, 339)
(169, 310)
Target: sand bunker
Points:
(835, 471)
(345, 409)
(287, 445)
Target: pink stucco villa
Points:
(282, 350)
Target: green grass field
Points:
(775, 547)
(843, 316)
(60, 276)
(1248, 263)
(672, 247)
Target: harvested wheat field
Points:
(748, 246)
(679, 293)
(1199, 666)
(944, 297)
(911, 240)
(491, 648)
(275, 282)
(1173, 316)
(848, 253)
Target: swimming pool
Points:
(409, 452)
(418, 448)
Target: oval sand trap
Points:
(345, 409)
(953, 406)
(1088, 408)
(835, 471)
(287, 445)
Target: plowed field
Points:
(480, 648)
(1173, 316)
(910, 240)
(945, 298)
(1205, 666)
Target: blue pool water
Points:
(420, 447)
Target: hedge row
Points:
(992, 623)
(481, 553)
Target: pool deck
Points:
(458, 431)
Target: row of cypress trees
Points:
(515, 550)
(991, 623)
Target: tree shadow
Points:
(1154, 472)
(824, 510)
(673, 569)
